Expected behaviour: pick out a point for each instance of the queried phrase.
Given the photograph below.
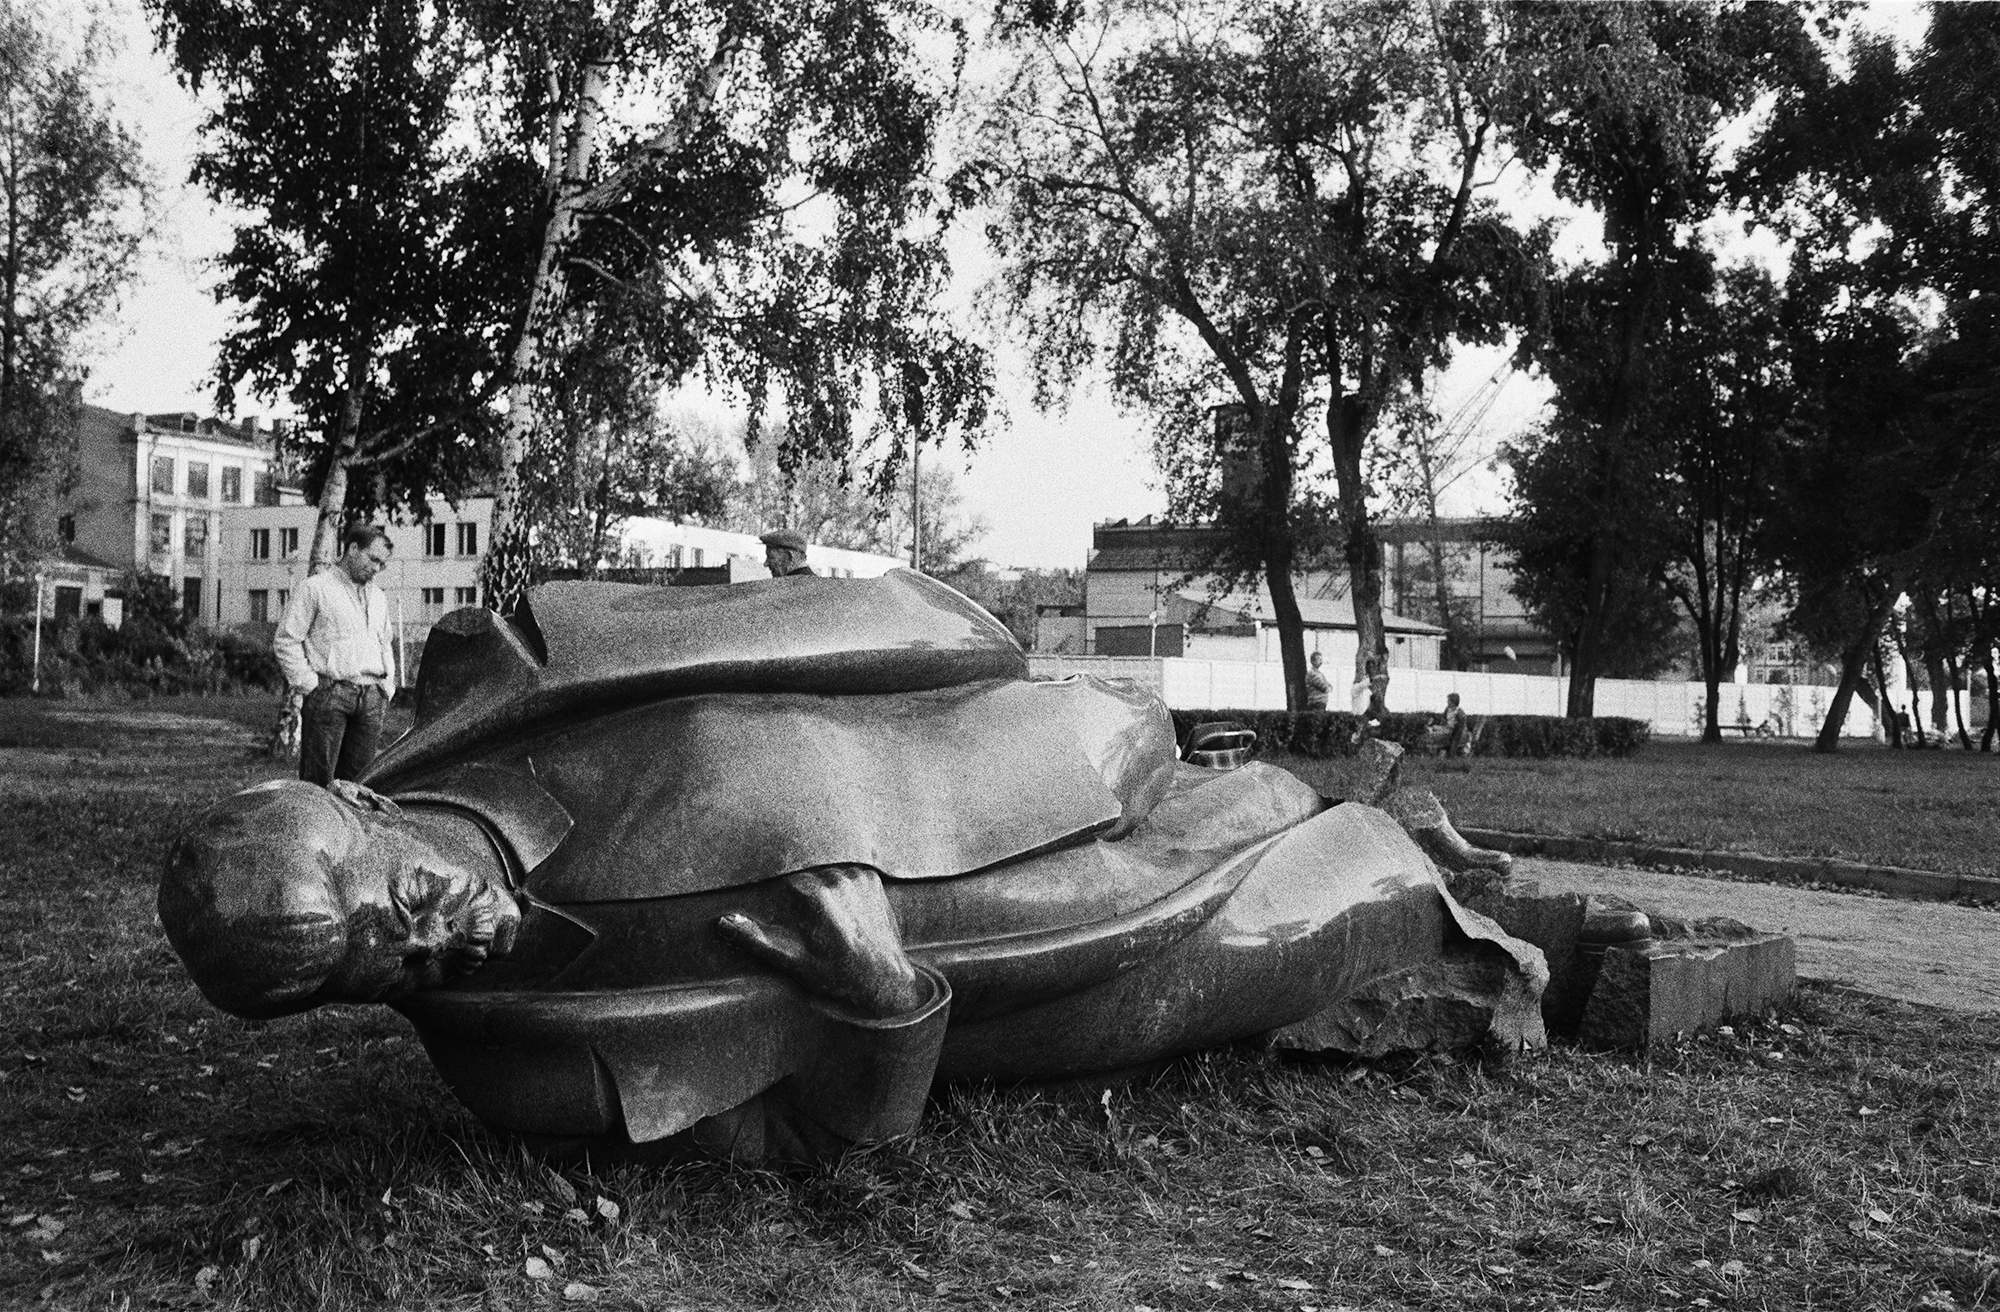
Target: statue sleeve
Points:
(866, 1082)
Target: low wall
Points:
(1675, 709)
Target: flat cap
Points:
(788, 538)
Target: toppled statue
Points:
(744, 870)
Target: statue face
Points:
(423, 904)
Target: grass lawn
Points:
(1934, 810)
(156, 1153)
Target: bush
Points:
(155, 652)
(1332, 733)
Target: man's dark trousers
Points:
(340, 730)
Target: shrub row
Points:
(1335, 733)
(154, 652)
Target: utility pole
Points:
(35, 680)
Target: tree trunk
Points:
(1347, 433)
(326, 546)
(1992, 698)
(1711, 720)
(1853, 661)
(1890, 718)
(506, 572)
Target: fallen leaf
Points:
(1383, 1250)
(578, 1292)
(252, 1246)
(74, 1094)
(562, 1189)
(1859, 1225)
(961, 1209)
(578, 1215)
(1501, 1270)
(1779, 1120)
(1748, 1215)
(394, 1239)
(279, 1187)
(205, 1279)
(1879, 1217)
(1734, 1269)
(1867, 1111)
(19, 1220)
(532, 1207)
(103, 1177)
(1791, 1029)
(1602, 1220)
(46, 1228)
(1247, 1277)
(53, 1257)
(1599, 1287)
(1315, 1152)
(1292, 1282)
(536, 1269)
(555, 1258)
(147, 1178)
(607, 1209)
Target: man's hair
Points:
(365, 536)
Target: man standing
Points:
(333, 646)
(1317, 688)
(785, 552)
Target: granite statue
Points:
(746, 869)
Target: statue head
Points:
(286, 896)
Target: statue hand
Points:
(840, 940)
(363, 798)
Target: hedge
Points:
(155, 652)
(1333, 733)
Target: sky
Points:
(1039, 481)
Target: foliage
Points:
(1264, 219)
(591, 475)
(1319, 734)
(773, 229)
(372, 269)
(75, 194)
(143, 657)
(1013, 601)
(1638, 93)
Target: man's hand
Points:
(363, 798)
(839, 940)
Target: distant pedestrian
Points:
(1318, 690)
(1457, 733)
(785, 553)
(334, 649)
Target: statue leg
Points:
(1422, 815)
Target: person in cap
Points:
(785, 553)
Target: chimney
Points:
(138, 423)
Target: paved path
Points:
(1929, 952)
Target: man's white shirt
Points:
(336, 629)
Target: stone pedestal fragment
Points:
(1471, 997)
(1552, 922)
(1689, 977)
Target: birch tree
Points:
(806, 285)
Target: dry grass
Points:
(1839, 1156)
(1934, 810)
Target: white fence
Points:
(1791, 710)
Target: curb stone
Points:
(1919, 885)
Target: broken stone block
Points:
(1552, 922)
(1471, 997)
(1689, 977)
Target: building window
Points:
(163, 475)
(162, 540)
(198, 479)
(260, 606)
(288, 543)
(700, 557)
(191, 598)
(468, 539)
(232, 484)
(674, 556)
(194, 538)
(260, 544)
(265, 488)
(187, 423)
(434, 539)
(468, 596)
(66, 528)
(433, 597)
(284, 598)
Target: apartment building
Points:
(150, 495)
